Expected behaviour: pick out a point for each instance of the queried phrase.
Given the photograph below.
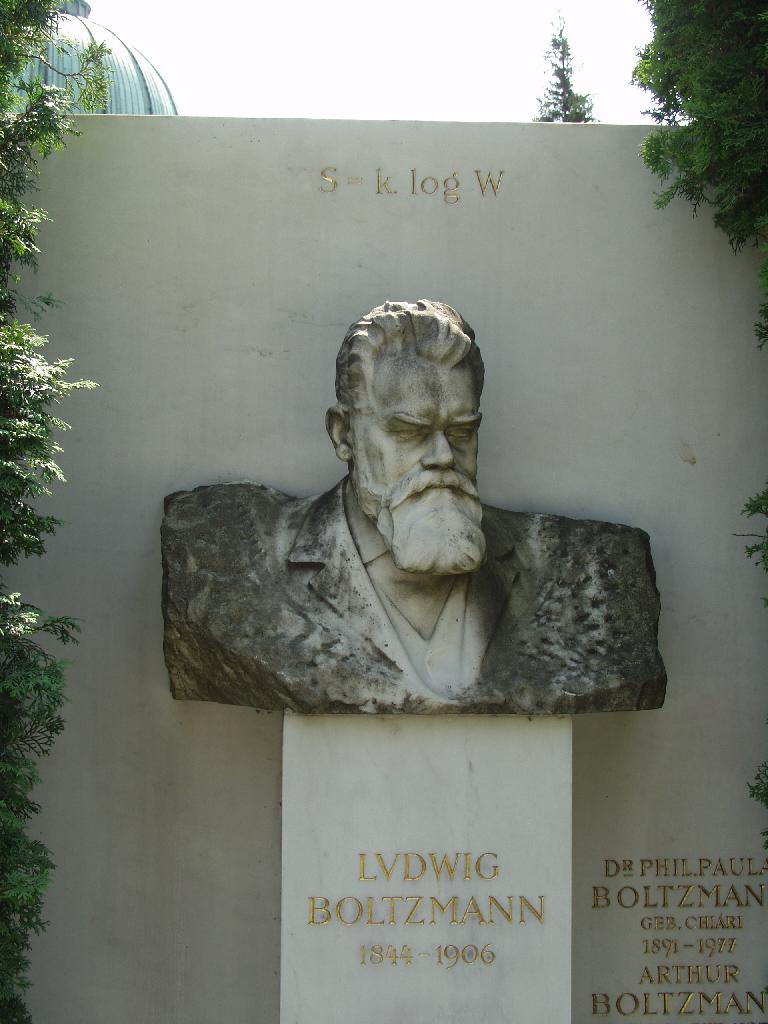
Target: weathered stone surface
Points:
(398, 591)
(267, 603)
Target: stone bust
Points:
(398, 591)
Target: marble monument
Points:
(397, 590)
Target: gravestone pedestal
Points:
(426, 870)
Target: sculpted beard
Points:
(430, 521)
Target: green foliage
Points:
(707, 69)
(560, 102)
(758, 790)
(31, 680)
(29, 386)
(31, 696)
(757, 505)
(33, 123)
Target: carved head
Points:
(408, 382)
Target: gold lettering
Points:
(450, 869)
(451, 187)
(731, 972)
(731, 896)
(472, 910)
(601, 1004)
(413, 181)
(382, 187)
(749, 891)
(647, 1011)
(759, 1002)
(444, 909)
(416, 905)
(371, 900)
(429, 191)
(733, 1002)
(327, 177)
(489, 181)
(682, 902)
(683, 1009)
(665, 891)
(391, 906)
(710, 1001)
(407, 876)
(600, 897)
(647, 976)
(647, 901)
(363, 876)
(620, 897)
(340, 907)
(506, 914)
(315, 908)
(635, 1006)
(387, 870)
(538, 914)
(479, 870)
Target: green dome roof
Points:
(136, 86)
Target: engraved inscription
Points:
(688, 972)
(486, 183)
(426, 909)
(442, 956)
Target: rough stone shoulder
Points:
(545, 524)
(218, 522)
(587, 562)
(223, 500)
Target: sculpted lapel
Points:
(338, 577)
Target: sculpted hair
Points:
(432, 330)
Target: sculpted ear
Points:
(337, 425)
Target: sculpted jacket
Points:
(267, 603)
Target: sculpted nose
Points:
(440, 454)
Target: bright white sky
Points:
(383, 59)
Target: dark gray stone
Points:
(267, 604)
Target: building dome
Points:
(135, 85)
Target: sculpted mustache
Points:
(424, 479)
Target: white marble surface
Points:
(499, 787)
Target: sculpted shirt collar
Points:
(325, 540)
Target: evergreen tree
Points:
(707, 70)
(560, 101)
(33, 123)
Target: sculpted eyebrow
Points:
(466, 421)
(404, 417)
